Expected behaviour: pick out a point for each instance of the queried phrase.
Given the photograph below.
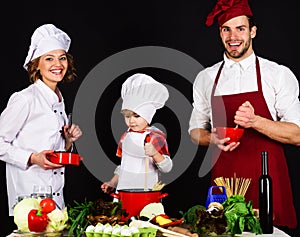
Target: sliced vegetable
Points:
(151, 210)
(162, 219)
(57, 220)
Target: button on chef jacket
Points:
(32, 122)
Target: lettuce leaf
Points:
(240, 215)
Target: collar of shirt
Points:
(244, 64)
(141, 131)
(49, 94)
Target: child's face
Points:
(134, 121)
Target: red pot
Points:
(134, 200)
(64, 158)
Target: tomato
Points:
(48, 205)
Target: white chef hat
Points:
(45, 39)
(143, 95)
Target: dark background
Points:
(100, 30)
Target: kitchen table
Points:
(276, 233)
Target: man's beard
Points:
(236, 54)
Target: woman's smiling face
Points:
(53, 67)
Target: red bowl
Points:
(64, 158)
(234, 134)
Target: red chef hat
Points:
(224, 10)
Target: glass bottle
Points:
(265, 197)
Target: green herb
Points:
(80, 214)
(78, 217)
(240, 215)
(191, 216)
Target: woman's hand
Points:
(71, 134)
(223, 144)
(41, 160)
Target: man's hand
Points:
(223, 144)
(245, 116)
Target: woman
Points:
(34, 123)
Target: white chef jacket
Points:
(279, 84)
(32, 122)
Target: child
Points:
(143, 148)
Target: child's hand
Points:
(107, 187)
(150, 149)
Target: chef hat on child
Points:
(143, 95)
(225, 10)
(45, 39)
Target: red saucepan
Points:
(134, 200)
(65, 158)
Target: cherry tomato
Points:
(48, 205)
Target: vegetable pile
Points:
(233, 216)
(204, 222)
(88, 213)
(39, 215)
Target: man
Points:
(256, 94)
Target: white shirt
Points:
(31, 122)
(279, 84)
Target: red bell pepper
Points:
(37, 220)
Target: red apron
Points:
(245, 160)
